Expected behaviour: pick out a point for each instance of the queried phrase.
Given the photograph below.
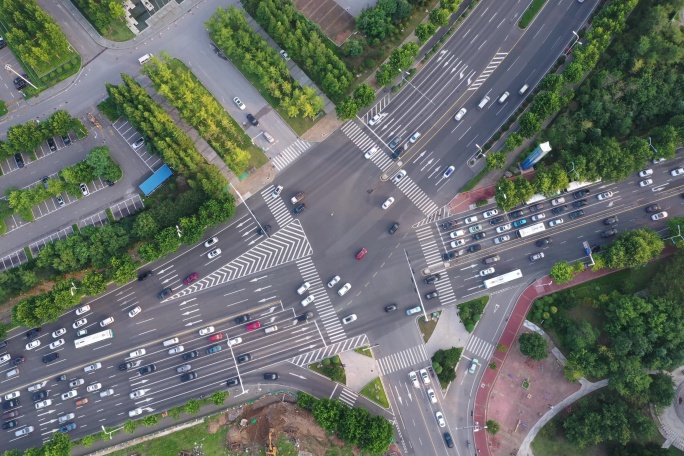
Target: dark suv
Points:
(496, 220)
(478, 236)
(580, 194)
(244, 358)
(474, 248)
(147, 369)
(235, 381)
(543, 242)
(433, 278)
(575, 214)
(536, 207)
(393, 229)
(516, 214)
(145, 276)
(16, 361)
(189, 376)
(190, 355)
(559, 209)
(39, 396)
(299, 209)
(33, 333)
(252, 120)
(164, 293)
(580, 203)
(20, 161)
(449, 255)
(242, 319)
(51, 144)
(50, 357)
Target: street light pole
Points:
(110, 432)
(482, 154)
(415, 285)
(650, 144)
(248, 209)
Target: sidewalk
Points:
(360, 369)
(448, 333)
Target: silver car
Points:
(65, 418)
(183, 368)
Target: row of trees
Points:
(103, 13)
(241, 43)
(27, 137)
(33, 34)
(439, 17)
(304, 43)
(354, 425)
(175, 81)
(364, 96)
(546, 181)
(471, 311)
(400, 60)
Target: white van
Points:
(483, 103)
(523, 89)
(145, 58)
(168, 343)
(13, 373)
(503, 97)
(92, 367)
(271, 329)
(268, 137)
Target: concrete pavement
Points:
(449, 332)
(670, 421)
(360, 369)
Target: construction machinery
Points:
(272, 450)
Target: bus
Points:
(530, 230)
(94, 338)
(503, 278)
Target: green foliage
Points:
(633, 248)
(306, 401)
(661, 391)
(364, 95)
(530, 124)
(385, 75)
(444, 362)
(192, 406)
(109, 109)
(440, 17)
(150, 420)
(218, 398)
(175, 412)
(451, 5)
(101, 13)
(561, 272)
(496, 160)
(347, 109)
(87, 440)
(492, 427)
(58, 445)
(123, 269)
(130, 426)
(530, 13)
(506, 197)
(353, 47)
(502, 348)
(533, 345)
(470, 312)
(424, 31)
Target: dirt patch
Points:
(336, 23)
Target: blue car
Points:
(213, 349)
(519, 223)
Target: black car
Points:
(474, 248)
(263, 230)
(66, 140)
(398, 152)
(305, 316)
(536, 207)
(610, 221)
(50, 357)
(189, 376)
(580, 203)
(390, 308)
(39, 396)
(448, 440)
(235, 381)
(480, 235)
(575, 214)
(242, 319)
(497, 220)
(3, 45)
(299, 209)
(190, 355)
(580, 194)
(270, 376)
(10, 424)
(33, 333)
(108, 182)
(244, 358)
(67, 427)
(145, 276)
(516, 214)
(10, 404)
(609, 233)
(543, 242)
(559, 209)
(393, 229)
(449, 224)
(653, 208)
(3, 343)
(20, 161)
(394, 142)
(60, 378)
(432, 279)
(449, 255)
(16, 361)
(434, 294)
(147, 369)
(20, 82)
(252, 120)
(164, 293)
(44, 180)
(51, 144)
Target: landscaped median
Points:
(530, 13)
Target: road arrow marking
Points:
(266, 299)
(496, 307)
(258, 278)
(299, 376)
(193, 323)
(189, 312)
(261, 289)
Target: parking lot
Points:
(10, 164)
(131, 136)
(12, 94)
(13, 260)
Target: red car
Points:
(361, 254)
(215, 337)
(191, 278)
(253, 326)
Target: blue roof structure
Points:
(156, 180)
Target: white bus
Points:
(503, 278)
(93, 338)
(530, 230)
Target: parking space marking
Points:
(13, 260)
(124, 127)
(36, 247)
(127, 207)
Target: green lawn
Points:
(3, 108)
(375, 392)
(325, 370)
(427, 328)
(365, 351)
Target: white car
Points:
(447, 172)
(136, 394)
(57, 343)
(457, 243)
(557, 201)
(106, 393)
(371, 152)
(284, 55)
(677, 172)
(276, 191)
(107, 321)
(556, 222)
(424, 375)
(134, 311)
(537, 256)
(333, 281)
(308, 300)
(210, 242)
(6, 357)
(37, 386)
(414, 137)
(345, 288)
(239, 103)
(432, 396)
(399, 176)
(11, 396)
(94, 387)
(234, 341)
(645, 182)
(177, 349)
(305, 286)
(33, 344)
(84, 189)
(414, 379)
(207, 330)
(659, 216)
(491, 213)
(471, 219)
(139, 352)
(658, 160)
(79, 323)
(83, 309)
(537, 217)
(645, 173)
(440, 419)
(348, 319)
(388, 202)
(135, 412)
(59, 333)
(459, 115)
(92, 367)
(42, 404)
(604, 195)
(69, 395)
(75, 383)
(501, 239)
(486, 272)
(214, 253)
(65, 418)
(473, 366)
(24, 431)
(502, 228)
(375, 119)
(457, 233)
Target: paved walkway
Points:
(360, 369)
(671, 420)
(449, 332)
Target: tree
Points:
(306, 401)
(123, 269)
(561, 272)
(440, 17)
(492, 427)
(514, 140)
(364, 95)
(505, 194)
(496, 160)
(58, 445)
(523, 189)
(634, 248)
(93, 283)
(377, 436)
(353, 47)
(219, 397)
(451, 5)
(100, 161)
(661, 392)
(385, 74)
(145, 227)
(328, 413)
(59, 123)
(425, 30)
(192, 406)
(150, 420)
(130, 426)
(533, 345)
(374, 22)
(347, 109)
(665, 140)
(530, 124)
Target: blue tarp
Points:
(155, 181)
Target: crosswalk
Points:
(330, 350)
(347, 396)
(442, 213)
(290, 154)
(491, 66)
(430, 246)
(480, 348)
(405, 359)
(407, 186)
(277, 206)
(324, 309)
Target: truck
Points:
(298, 197)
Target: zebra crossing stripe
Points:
(402, 360)
(347, 396)
(318, 354)
(479, 347)
(290, 154)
